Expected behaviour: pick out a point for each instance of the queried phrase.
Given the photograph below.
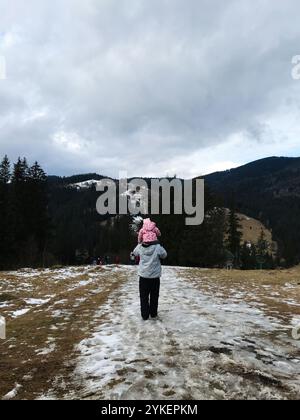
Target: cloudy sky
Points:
(154, 87)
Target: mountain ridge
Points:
(267, 190)
(268, 163)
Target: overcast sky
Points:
(152, 87)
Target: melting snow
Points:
(46, 350)
(36, 301)
(203, 346)
(214, 339)
(12, 394)
(20, 312)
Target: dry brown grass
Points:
(260, 286)
(251, 231)
(30, 333)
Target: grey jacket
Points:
(150, 265)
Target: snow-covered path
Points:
(205, 345)
(76, 332)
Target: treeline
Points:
(267, 190)
(43, 222)
(246, 255)
(24, 223)
(216, 243)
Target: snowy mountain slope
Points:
(220, 335)
(85, 184)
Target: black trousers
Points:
(149, 295)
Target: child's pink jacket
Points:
(149, 232)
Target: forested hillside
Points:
(48, 221)
(268, 190)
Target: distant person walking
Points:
(150, 272)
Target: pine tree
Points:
(234, 234)
(5, 171)
(215, 226)
(18, 221)
(248, 256)
(5, 232)
(201, 246)
(38, 220)
(37, 174)
(20, 172)
(28, 213)
(262, 249)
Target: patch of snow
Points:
(20, 312)
(60, 302)
(81, 283)
(199, 341)
(85, 184)
(36, 301)
(59, 313)
(46, 350)
(12, 394)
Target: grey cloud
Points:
(136, 84)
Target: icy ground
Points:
(217, 337)
(203, 346)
